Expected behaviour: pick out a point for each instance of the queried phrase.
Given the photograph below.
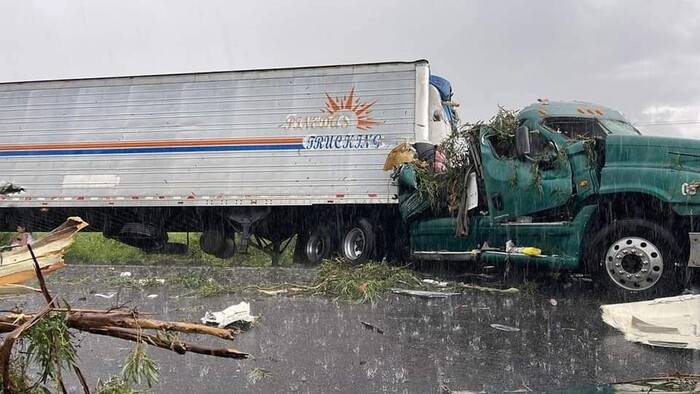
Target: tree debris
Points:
(117, 323)
(423, 293)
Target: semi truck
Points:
(261, 157)
(569, 186)
(255, 157)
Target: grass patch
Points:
(200, 286)
(94, 248)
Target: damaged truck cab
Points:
(578, 184)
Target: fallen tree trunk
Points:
(124, 319)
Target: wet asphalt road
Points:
(315, 345)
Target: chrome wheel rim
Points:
(354, 244)
(315, 248)
(634, 263)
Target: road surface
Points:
(474, 341)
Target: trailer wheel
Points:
(211, 240)
(358, 242)
(215, 242)
(227, 249)
(636, 258)
(316, 245)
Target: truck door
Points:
(520, 186)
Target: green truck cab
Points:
(578, 184)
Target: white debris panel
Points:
(232, 314)
(667, 322)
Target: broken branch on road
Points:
(118, 323)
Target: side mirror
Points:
(522, 141)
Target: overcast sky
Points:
(639, 56)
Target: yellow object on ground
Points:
(530, 251)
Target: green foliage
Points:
(446, 189)
(5, 238)
(50, 347)
(47, 348)
(257, 374)
(536, 179)
(513, 181)
(429, 185)
(591, 155)
(561, 158)
(504, 122)
(94, 248)
(361, 283)
(18, 376)
(115, 385)
(200, 286)
(139, 367)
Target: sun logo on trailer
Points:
(351, 106)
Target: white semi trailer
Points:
(267, 154)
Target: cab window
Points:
(576, 128)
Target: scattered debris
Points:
(9, 188)
(510, 290)
(150, 281)
(121, 323)
(152, 296)
(667, 322)
(125, 274)
(272, 292)
(435, 283)
(553, 302)
(17, 263)
(505, 328)
(106, 296)
(447, 390)
(234, 313)
(676, 383)
(423, 293)
(372, 327)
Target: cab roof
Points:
(568, 109)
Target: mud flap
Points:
(694, 256)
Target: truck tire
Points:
(144, 236)
(637, 259)
(316, 245)
(217, 243)
(227, 249)
(358, 242)
(211, 240)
